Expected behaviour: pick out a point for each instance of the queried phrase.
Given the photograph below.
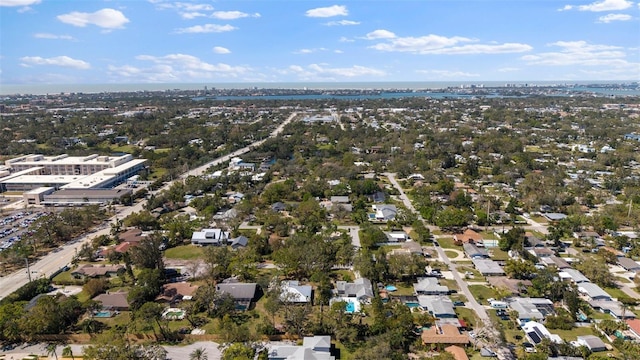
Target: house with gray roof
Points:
(593, 291)
(488, 267)
(207, 237)
(429, 286)
(360, 289)
(437, 305)
(384, 212)
(114, 301)
(613, 308)
(312, 348)
(474, 252)
(628, 264)
(240, 241)
(531, 309)
(573, 275)
(292, 292)
(242, 293)
(592, 342)
(558, 262)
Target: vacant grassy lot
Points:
(184, 252)
(447, 243)
(482, 293)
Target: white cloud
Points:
(105, 18)
(221, 50)
(380, 34)
(63, 61)
(232, 15)
(614, 17)
(508, 69)
(309, 51)
(180, 67)
(596, 58)
(342, 23)
(19, 2)
(323, 72)
(436, 44)
(604, 5)
(52, 36)
(447, 73)
(206, 28)
(345, 39)
(330, 11)
(192, 15)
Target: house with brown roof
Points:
(457, 352)
(91, 271)
(468, 236)
(114, 301)
(445, 334)
(132, 236)
(634, 327)
(175, 292)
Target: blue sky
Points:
(163, 41)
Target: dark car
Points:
(458, 303)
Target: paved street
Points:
(503, 353)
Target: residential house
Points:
(242, 293)
(312, 348)
(175, 292)
(613, 308)
(535, 332)
(573, 275)
(377, 197)
(292, 292)
(339, 200)
(488, 267)
(437, 305)
(531, 309)
(91, 271)
(240, 241)
(457, 352)
(210, 237)
(445, 334)
(116, 301)
(278, 206)
(468, 236)
(360, 289)
(397, 236)
(131, 236)
(474, 252)
(634, 327)
(541, 252)
(593, 291)
(628, 264)
(429, 286)
(592, 342)
(384, 212)
(558, 262)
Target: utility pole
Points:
(26, 259)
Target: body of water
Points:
(43, 89)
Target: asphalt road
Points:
(54, 261)
(503, 353)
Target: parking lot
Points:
(14, 225)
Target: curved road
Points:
(57, 260)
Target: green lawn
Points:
(468, 315)
(451, 254)
(571, 335)
(184, 252)
(497, 254)
(481, 292)
(447, 243)
(616, 293)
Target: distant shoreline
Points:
(44, 89)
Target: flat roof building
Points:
(70, 172)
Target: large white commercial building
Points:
(30, 172)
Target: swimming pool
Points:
(412, 305)
(350, 308)
(391, 288)
(103, 314)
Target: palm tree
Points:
(198, 354)
(67, 352)
(51, 350)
